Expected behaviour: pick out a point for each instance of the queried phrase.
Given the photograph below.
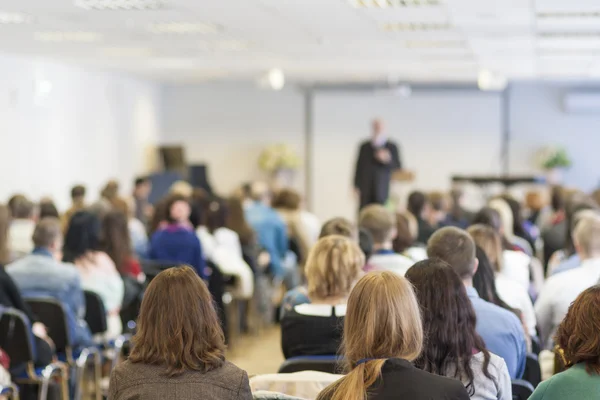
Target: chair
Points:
(327, 364)
(10, 392)
(533, 371)
(522, 390)
(16, 339)
(52, 314)
(536, 345)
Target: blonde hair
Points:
(506, 216)
(334, 265)
(586, 234)
(490, 242)
(382, 320)
(182, 188)
(379, 221)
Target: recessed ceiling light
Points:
(14, 18)
(123, 5)
(415, 26)
(393, 3)
(183, 28)
(76, 36)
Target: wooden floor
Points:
(258, 354)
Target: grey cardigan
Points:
(130, 381)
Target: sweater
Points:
(574, 383)
(177, 244)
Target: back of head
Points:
(78, 193)
(48, 209)
(115, 238)
(578, 336)
(490, 217)
(181, 188)
(516, 211)
(439, 201)
(110, 190)
(259, 191)
(506, 216)
(574, 209)
(338, 226)
(333, 266)
(287, 199)
(382, 321)
(416, 203)
(379, 221)
(557, 198)
(22, 208)
(47, 233)
(141, 180)
(4, 226)
(449, 320)
(587, 236)
(406, 232)
(455, 247)
(236, 220)
(216, 213)
(490, 242)
(189, 336)
(83, 235)
(13, 201)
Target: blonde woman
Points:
(383, 335)
(315, 327)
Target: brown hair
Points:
(46, 232)
(577, 335)
(115, 238)
(382, 320)
(404, 237)
(22, 208)
(236, 221)
(4, 225)
(455, 247)
(287, 199)
(378, 220)
(78, 192)
(110, 190)
(339, 226)
(439, 201)
(178, 327)
(490, 242)
(334, 265)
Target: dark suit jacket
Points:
(130, 381)
(372, 177)
(401, 380)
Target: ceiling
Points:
(326, 41)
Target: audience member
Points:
(507, 223)
(406, 235)
(184, 353)
(116, 243)
(14, 199)
(141, 192)
(577, 337)
(41, 274)
(562, 289)
(236, 222)
(339, 226)
(10, 296)
(500, 329)
(457, 215)
(313, 316)
(440, 206)
(521, 229)
(48, 209)
(452, 347)
(83, 247)
(419, 206)
(271, 233)
(77, 204)
(21, 227)
(380, 223)
(287, 203)
(383, 335)
(176, 242)
(510, 291)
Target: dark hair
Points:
(48, 209)
(236, 221)
(456, 211)
(14, 199)
(140, 180)
(22, 208)
(189, 336)
(365, 241)
(557, 198)
(490, 217)
(455, 247)
(77, 192)
(578, 336)
(160, 214)
(518, 223)
(83, 235)
(338, 226)
(175, 198)
(404, 238)
(115, 239)
(4, 226)
(286, 199)
(449, 323)
(416, 203)
(216, 213)
(484, 281)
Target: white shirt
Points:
(312, 226)
(559, 292)
(20, 236)
(517, 297)
(516, 267)
(497, 388)
(390, 262)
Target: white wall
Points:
(227, 125)
(538, 119)
(91, 126)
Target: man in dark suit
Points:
(377, 159)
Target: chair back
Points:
(536, 345)
(16, 338)
(52, 314)
(533, 371)
(521, 390)
(95, 314)
(329, 364)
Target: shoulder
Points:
(103, 259)
(399, 372)
(497, 366)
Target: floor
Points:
(258, 354)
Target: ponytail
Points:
(355, 384)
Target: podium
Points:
(401, 184)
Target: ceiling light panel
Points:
(65, 36)
(394, 3)
(121, 5)
(7, 18)
(183, 28)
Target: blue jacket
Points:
(271, 232)
(40, 275)
(179, 245)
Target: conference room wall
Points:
(88, 127)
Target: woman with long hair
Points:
(179, 346)
(383, 335)
(453, 348)
(116, 242)
(97, 270)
